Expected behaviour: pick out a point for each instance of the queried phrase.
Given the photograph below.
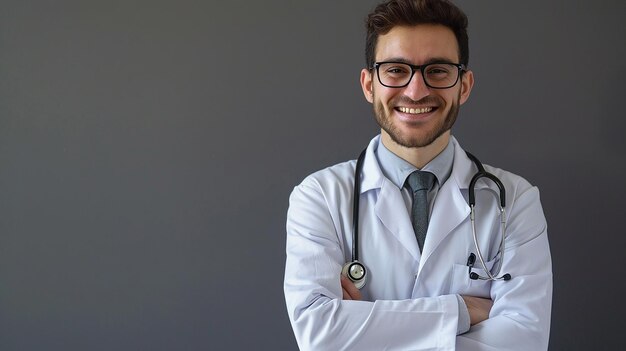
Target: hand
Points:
(350, 292)
(478, 308)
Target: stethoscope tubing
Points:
(490, 276)
(355, 206)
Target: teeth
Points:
(415, 111)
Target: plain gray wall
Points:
(148, 149)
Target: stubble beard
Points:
(414, 141)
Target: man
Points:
(422, 291)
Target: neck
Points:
(417, 156)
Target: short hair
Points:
(394, 13)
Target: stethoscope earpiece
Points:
(475, 276)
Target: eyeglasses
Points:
(438, 75)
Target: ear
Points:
(366, 85)
(467, 82)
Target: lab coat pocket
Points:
(462, 284)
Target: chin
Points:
(415, 139)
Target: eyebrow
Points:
(429, 61)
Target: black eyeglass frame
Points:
(461, 67)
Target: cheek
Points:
(382, 103)
(385, 98)
(452, 98)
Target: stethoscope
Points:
(356, 271)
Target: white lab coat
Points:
(409, 299)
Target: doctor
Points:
(418, 294)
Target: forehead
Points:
(418, 44)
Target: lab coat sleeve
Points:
(520, 316)
(321, 320)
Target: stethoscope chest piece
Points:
(356, 272)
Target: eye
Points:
(394, 69)
(438, 69)
(397, 70)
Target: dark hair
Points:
(393, 13)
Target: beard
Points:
(414, 140)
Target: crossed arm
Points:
(477, 307)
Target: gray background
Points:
(148, 149)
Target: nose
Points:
(417, 88)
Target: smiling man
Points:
(417, 245)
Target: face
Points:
(416, 115)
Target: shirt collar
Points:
(397, 169)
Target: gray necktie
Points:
(419, 183)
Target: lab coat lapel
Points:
(449, 211)
(389, 208)
(392, 212)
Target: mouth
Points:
(414, 110)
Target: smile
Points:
(414, 111)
